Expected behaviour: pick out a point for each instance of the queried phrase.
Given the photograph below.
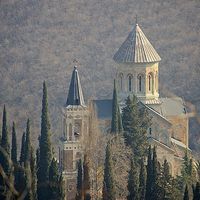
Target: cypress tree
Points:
(4, 140)
(44, 149)
(53, 180)
(149, 175)
(135, 123)
(4, 157)
(154, 167)
(86, 178)
(33, 167)
(142, 181)
(61, 188)
(27, 150)
(14, 145)
(79, 186)
(116, 123)
(186, 195)
(22, 154)
(133, 183)
(108, 183)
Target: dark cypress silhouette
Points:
(14, 145)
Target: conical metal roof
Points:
(136, 49)
(75, 94)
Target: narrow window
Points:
(149, 82)
(140, 83)
(121, 83)
(129, 83)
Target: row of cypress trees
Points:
(36, 174)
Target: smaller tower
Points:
(137, 67)
(75, 130)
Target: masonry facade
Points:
(137, 64)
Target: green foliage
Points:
(54, 188)
(4, 139)
(142, 180)
(108, 182)
(149, 175)
(79, 185)
(33, 167)
(22, 154)
(133, 183)
(27, 147)
(116, 123)
(14, 145)
(136, 121)
(44, 148)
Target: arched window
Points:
(150, 81)
(140, 83)
(121, 81)
(129, 83)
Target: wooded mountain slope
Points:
(39, 39)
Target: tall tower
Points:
(137, 72)
(75, 129)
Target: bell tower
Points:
(137, 67)
(75, 121)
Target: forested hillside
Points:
(39, 39)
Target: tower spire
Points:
(75, 94)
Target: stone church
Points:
(137, 64)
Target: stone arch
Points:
(140, 83)
(120, 81)
(130, 82)
(170, 168)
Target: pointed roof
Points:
(136, 49)
(75, 94)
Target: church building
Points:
(137, 64)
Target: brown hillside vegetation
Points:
(39, 39)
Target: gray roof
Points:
(167, 107)
(136, 49)
(170, 107)
(103, 108)
(75, 94)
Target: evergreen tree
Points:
(53, 180)
(22, 154)
(5, 146)
(186, 195)
(149, 175)
(27, 150)
(33, 167)
(133, 183)
(154, 167)
(4, 157)
(142, 181)
(44, 148)
(14, 145)
(79, 186)
(61, 188)
(28, 181)
(135, 123)
(116, 123)
(108, 183)
(86, 178)
(196, 195)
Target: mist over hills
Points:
(39, 39)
